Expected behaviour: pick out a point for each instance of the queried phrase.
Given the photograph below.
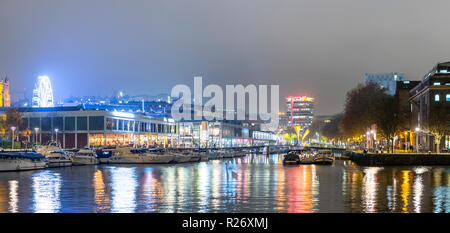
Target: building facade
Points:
(385, 80)
(76, 127)
(5, 97)
(300, 111)
(431, 99)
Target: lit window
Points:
(436, 83)
(447, 97)
(436, 97)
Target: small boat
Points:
(307, 157)
(20, 161)
(131, 156)
(85, 157)
(181, 156)
(203, 153)
(214, 154)
(291, 158)
(58, 159)
(324, 157)
(104, 154)
(46, 149)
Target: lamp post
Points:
(36, 132)
(56, 131)
(13, 128)
(367, 140)
(417, 139)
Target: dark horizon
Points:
(321, 49)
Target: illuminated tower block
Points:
(5, 98)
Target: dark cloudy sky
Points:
(316, 47)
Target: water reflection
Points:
(255, 183)
(124, 184)
(46, 186)
(13, 196)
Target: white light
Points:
(123, 114)
(43, 92)
(13, 128)
(417, 129)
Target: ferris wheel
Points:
(43, 92)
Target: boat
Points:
(181, 156)
(324, 157)
(46, 149)
(291, 158)
(307, 157)
(84, 157)
(21, 161)
(103, 154)
(214, 154)
(58, 159)
(203, 153)
(128, 155)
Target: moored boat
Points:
(291, 158)
(58, 159)
(84, 157)
(20, 161)
(324, 157)
(131, 155)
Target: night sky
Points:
(316, 47)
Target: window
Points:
(58, 123)
(447, 97)
(81, 123)
(35, 122)
(69, 123)
(436, 98)
(110, 124)
(96, 122)
(120, 124)
(436, 83)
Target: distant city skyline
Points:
(147, 47)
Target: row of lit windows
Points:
(437, 97)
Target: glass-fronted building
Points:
(76, 127)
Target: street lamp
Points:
(36, 132)
(13, 128)
(367, 140)
(56, 131)
(417, 139)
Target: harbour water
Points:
(254, 183)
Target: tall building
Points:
(5, 98)
(385, 80)
(431, 95)
(300, 111)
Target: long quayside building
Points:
(77, 127)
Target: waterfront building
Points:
(300, 111)
(5, 98)
(77, 127)
(426, 98)
(224, 133)
(385, 80)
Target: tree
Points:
(438, 124)
(11, 118)
(332, 130)
(387, 117)
(360, 106)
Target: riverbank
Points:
(416, 159)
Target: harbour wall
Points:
(371, 159)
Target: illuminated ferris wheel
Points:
(43, 92)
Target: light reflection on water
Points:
(255, 183)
